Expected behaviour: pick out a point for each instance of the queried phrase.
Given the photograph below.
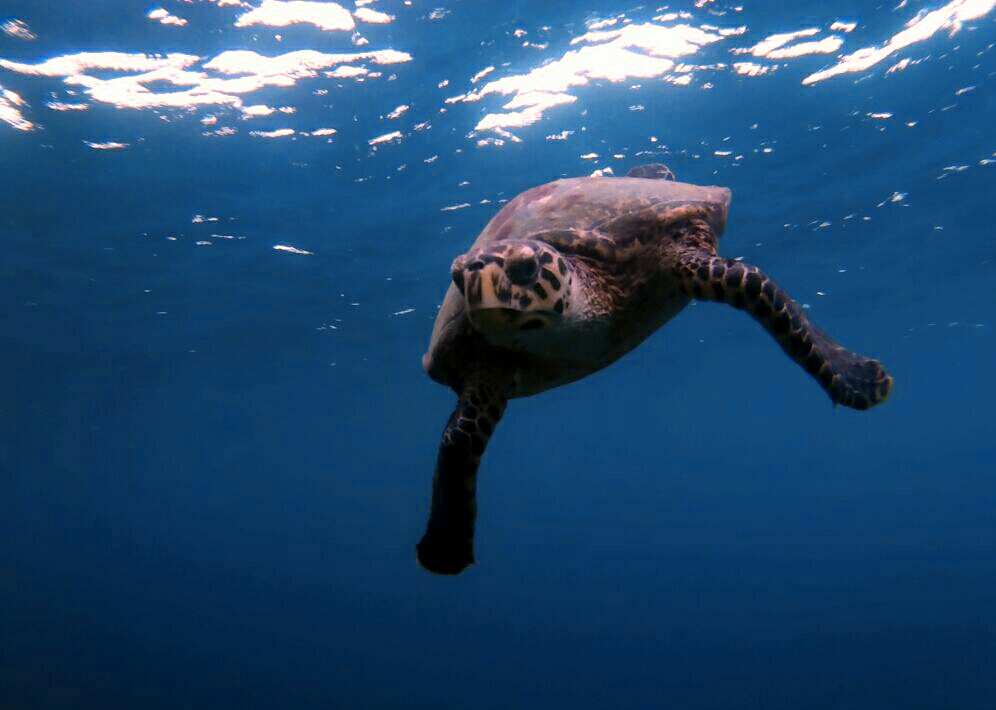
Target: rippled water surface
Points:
(226, 228)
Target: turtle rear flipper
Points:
(849, 378)
(447, 547)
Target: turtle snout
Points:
(522, 266)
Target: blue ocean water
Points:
(221, 263)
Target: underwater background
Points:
(226, 228)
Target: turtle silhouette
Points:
(564, 280)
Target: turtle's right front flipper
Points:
(849, 378)
(448, 544)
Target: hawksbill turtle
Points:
(567, 278)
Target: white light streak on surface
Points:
(749, 68)
(60, 106)
(257, 111)
(13, 97)
(291, 250)
(73, 64)
(164, 17)
(347, 72)
(533, 104)
(602, 24)
(633, 51)
(279, 133)
(922, 27)
(769, 44)
(243, 72)
(298, 64)
(481, 74)
(386, 138)
(374, 17)
(18, 29)
(328, 16)
(10, 111)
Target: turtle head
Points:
(516, 285)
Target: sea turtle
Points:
(565, 279)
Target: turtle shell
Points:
(582, 205)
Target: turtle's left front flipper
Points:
(448, 544)
(850, 379)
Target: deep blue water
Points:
(215, 459)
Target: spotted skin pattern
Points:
(567, 278)
(849, 379)
(510, 284)
(448, 544)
